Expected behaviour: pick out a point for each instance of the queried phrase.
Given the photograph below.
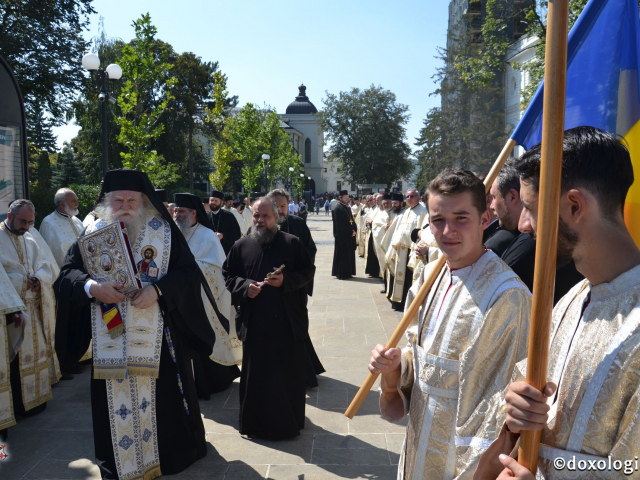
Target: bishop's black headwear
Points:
(136, 181)
(162, 193)
(397, 197)
(188, 200)
(386, 196)
(217, 194)
(343, 192)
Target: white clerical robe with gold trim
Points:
(39, 368)
(209, 254)
(10, 340)
(60, 231)
(400, 247)
(370, 217)
(594, 358)
(463, 346)
(378, 230)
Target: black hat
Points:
(236, 202)
(162, 193)
(190, 201)
(217, 194)
(397, 197)
(386, 196)
(227, 198)
(343, 192)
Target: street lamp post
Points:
(113, 72)
(301, 193)
(265, 159)
(290, 180)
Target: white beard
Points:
(183, 224)
(134, 223)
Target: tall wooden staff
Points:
(424, 290)
(555, 78)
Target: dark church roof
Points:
(301, 104)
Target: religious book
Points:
(108, 257)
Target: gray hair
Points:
(278, 192)
(273, 205)
(60, 195)
(103, 208)
(16, 205)
(508, 178)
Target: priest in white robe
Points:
(215, 373)
(61, 228)
(590, 411)
(379, 228)
(400, 248)
(467, 337)
(12, 323)
(242, 223)
(32, 279)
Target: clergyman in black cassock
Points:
(344, 233)
(273, 326)
(223, 222)
(298, 227)
(178, 431)
(210, 377)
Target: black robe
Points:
(344, 259)
(372, 266)
(298, 227)
(497, 238)
(273, 327)
(225, 222)
(181, 437)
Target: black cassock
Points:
(344, 259)
(372, 267)
(181, 437)
(273, 327)
(225, 222)
(298, 227)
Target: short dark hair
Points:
(278, 192)
(453, 181)
(508, 178)
(592, 159)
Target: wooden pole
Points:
(424, 290)
(555, 78)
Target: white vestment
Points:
(39, 368)
(10, 341)
(207, 250)
(241, 222)
(60, 231)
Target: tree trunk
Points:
(191, 157)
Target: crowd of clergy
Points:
(459, 372)
(225, 287)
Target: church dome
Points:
(301, 105)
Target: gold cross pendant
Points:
(350, 222)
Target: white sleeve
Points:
(87, 287)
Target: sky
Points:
(268, 48)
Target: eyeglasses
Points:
(410, 196)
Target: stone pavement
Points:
(347, 318)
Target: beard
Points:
(266, 236)
(69, 211)
(214, 208)
(134, 222)
(567, 241)
(282, 219)
(184, 224)
(397, 209)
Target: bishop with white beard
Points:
(216, 372)
(146, 417)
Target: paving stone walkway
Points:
(347, 318)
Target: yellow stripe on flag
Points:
(109, 315)
(632, 205)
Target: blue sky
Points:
(267, 48)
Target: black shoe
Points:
(383, 291)
(66, 376)
(73, 369)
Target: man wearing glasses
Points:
(400, 249)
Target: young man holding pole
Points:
(591, 424)
(467, 338)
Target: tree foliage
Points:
(42, 42)
(67, 169)
(146, 91)
(245, 138)
(367, 135)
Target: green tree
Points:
(367, 134)
(67, 169)
(145, 94)
(42, 42)
(245, 138)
